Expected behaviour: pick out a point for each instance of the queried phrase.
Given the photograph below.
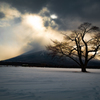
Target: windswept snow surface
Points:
(30, 83)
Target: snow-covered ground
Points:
(30, 83)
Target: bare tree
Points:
(83, 44)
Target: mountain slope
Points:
(43, 57)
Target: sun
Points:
(35, 21)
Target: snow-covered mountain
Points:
(43, 57)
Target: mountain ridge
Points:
(43, 57)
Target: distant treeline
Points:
(25, 64)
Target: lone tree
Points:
(82, 43)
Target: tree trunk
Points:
(83, 69)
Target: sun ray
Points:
(35, 21)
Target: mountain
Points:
(43, 57)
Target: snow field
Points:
(31, 83)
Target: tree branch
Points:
(96, 49)
(69, 56)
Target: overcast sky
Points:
(31, 24)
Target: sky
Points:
(32, 24)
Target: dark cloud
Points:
(33, 6)
(83, 8)
(71, 10)
(2, 15)
(47, 14)
(46, 23)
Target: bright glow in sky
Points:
(53, 16)
(35, 21)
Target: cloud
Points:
(53, 16)
(47, 20)
(75, 10)
(92, 12)
(29, 25)
(24, 6)
(6, 51)
(44, 12)
(29, 33)
(86, 10)
(2, 15)
(32, 31)
(4, 24)
(8, 12)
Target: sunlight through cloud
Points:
(35, 21)
(53, 16)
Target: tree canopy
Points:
(83, 43)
